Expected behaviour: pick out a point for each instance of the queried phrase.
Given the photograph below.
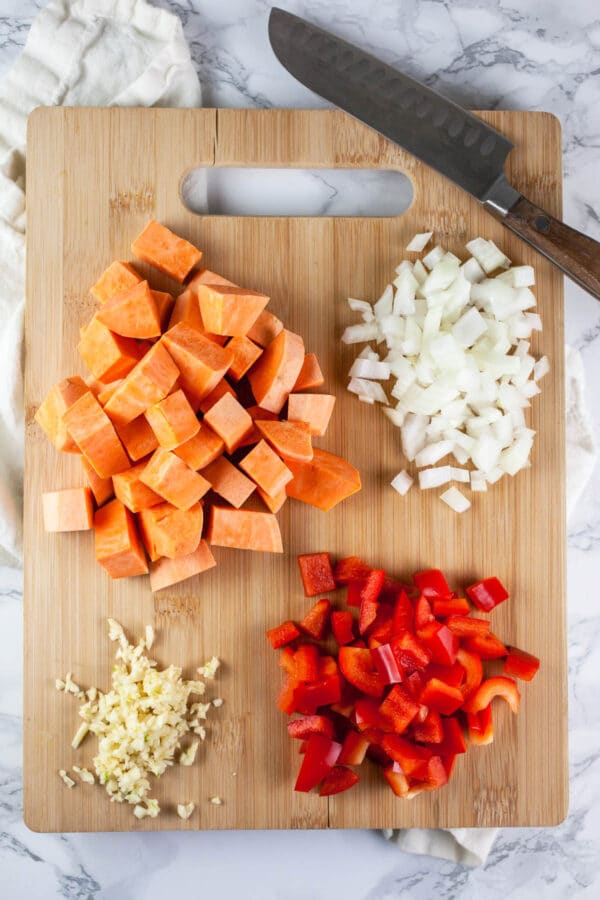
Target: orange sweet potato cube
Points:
(290, 440)
(108, 356)
(165, 572)
(117, 543)
(265, 329)
(202, 449)
(101, 488)
(230, 421)
(94, 434)
(173, 420)
(227, 309)
(209, 401)
(244, 530)
(316, 409)
(275, 503)
(173, 480)
(227, 481)
(147, 384)
(310, 375)
(50, 414)
(187, 309)
(132, 492)
(117, 278)
(201, 363)
(266, 469)
(105, 393)
(245, 353)
(166, 251)
(138, 438)
(276, 372)
(132, 313)
(168, 531)
(69, 510)
(164, 305)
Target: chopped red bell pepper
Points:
(391, 588)
(396, 779)
(377, 754)
(282, 634)
(486, 646)
(368, 614)
(435, 775)
(309, 697)
(302, 747)
(452, 675)
(286, 701)
(456, 606)
(432, 583)
(354, 593)
(453, 740)
(422, 714)
(414, 684)
(316, 573)
(481, 726)
(473, 670)
(306, 662)
(441, 697)
(440, 641)
(327, 666)
(350, 569)
(316, 620)
(381, 629)
(400, 708)
(367, 715)
(307, 725)
(342, 625)
(487, 594)
(520, 664)
(354, 749)
(467, 626)
(359, 669)
(373, 585)
(339, 779)
(430, 731)
(286, 661)
(411, 758)
(498, 686)
(404, 614)
(423, 613)
(410, 652)
(358, 643)
(449, 761)
(319, 759)
(387, 664)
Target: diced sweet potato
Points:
(245, 353)
(106, 393)
(202, 449)
(133, 313)
(324, 481)
(173, 480)
(230, 421)
(101, 488)
(209, 401)
(166, 251)
(265, 468)
(168, 531)
(275, 503)
(147, 384)
(132, 492)
(69, 510)
(94, 434)
(265, 329)
(276, 372)
(50, 414)
(205, 276)
(108, 356)
(289, 439)
(227, 309)
(228, 482)
(118, 545)
(244, 530)
(187, 309)
(173, 420)
(117, 278)
(310, 374)
(202, 363)
(166, 572)
(164, 305)
(138, 438)
(316, 409)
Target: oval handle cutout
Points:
(221, 191)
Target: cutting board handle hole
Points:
(221, 191)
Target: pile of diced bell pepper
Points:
(402, 682)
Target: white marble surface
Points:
(523, 54)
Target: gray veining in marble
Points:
(527, 54)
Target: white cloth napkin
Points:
(127, 53)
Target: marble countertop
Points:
(497, 54)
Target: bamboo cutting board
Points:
(95, 176)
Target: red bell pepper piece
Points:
(440, 641)
(286, 700)
(452, 675)
(487, 594)
(423, 613)
(316, 573)
(316, 620)
(520, 664)
(396, 779)
(473, 670)
(411, 758)
(449, 761)
(286, 661)
(358, 668)
(435, 775)
(387, 664)
(430, 731)
(367, 715)
(453, 740)
(481, 726)
(432, 583)
(342, 625)
(307, 725)
(399, 708)
(410, 652)
(319, 759)
(391, 588)
(373, 585)
(306, 662)
(404, 615)
(456, 606)
(368, 614)
(354, 593)
(359, 644)
(467, 626)
(309, 697)
(282, 634)
(414, 684)
(302, 747)
(377, 754)
(486, 646)
(327, 666)
(381, 629)
(354, 749)
(350, 569)
(498, 686)
(441, 697)
(339, 779)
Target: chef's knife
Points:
(432, 128)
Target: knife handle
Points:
(576, 254)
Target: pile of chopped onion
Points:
(451, 340)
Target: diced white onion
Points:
(432, 453)
(432, 478)
(433, 257)
(383, 307)
(358, 334)
(541, 368)
(365, 388)
(402, 482)
(478, 481)
(360, 306)
(366, 368)
(396, 416)
(419, 242)
(455, 500)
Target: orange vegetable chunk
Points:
(221, 389)
(276, 372)
(227, 481)
(133, 313)
(275, 503)
(187, 309)
(118, 545)
(138, 438)
(117, 278)
(168, 531)
(202, 449)
(265, 468)
(132, 492)
(205, 276)
(69, 510)
(227, 309)
(202, 363)
(245, 353)
(94, 434)
(108, 356)
(50, 414)
(176, 483)
(164, 305)
(316, 409)
(265, 329)
(310, 374)
(166, 251)
(244, 530)
(166, 572)
(147, 384)
(289, 439)
(173, 420)
(230, 421)
(106, 393)
(324, 481)
(101, 488)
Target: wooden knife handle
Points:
(577, 255)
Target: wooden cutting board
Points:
(94, 178)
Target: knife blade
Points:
(437, 131)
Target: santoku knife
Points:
(441, 134)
